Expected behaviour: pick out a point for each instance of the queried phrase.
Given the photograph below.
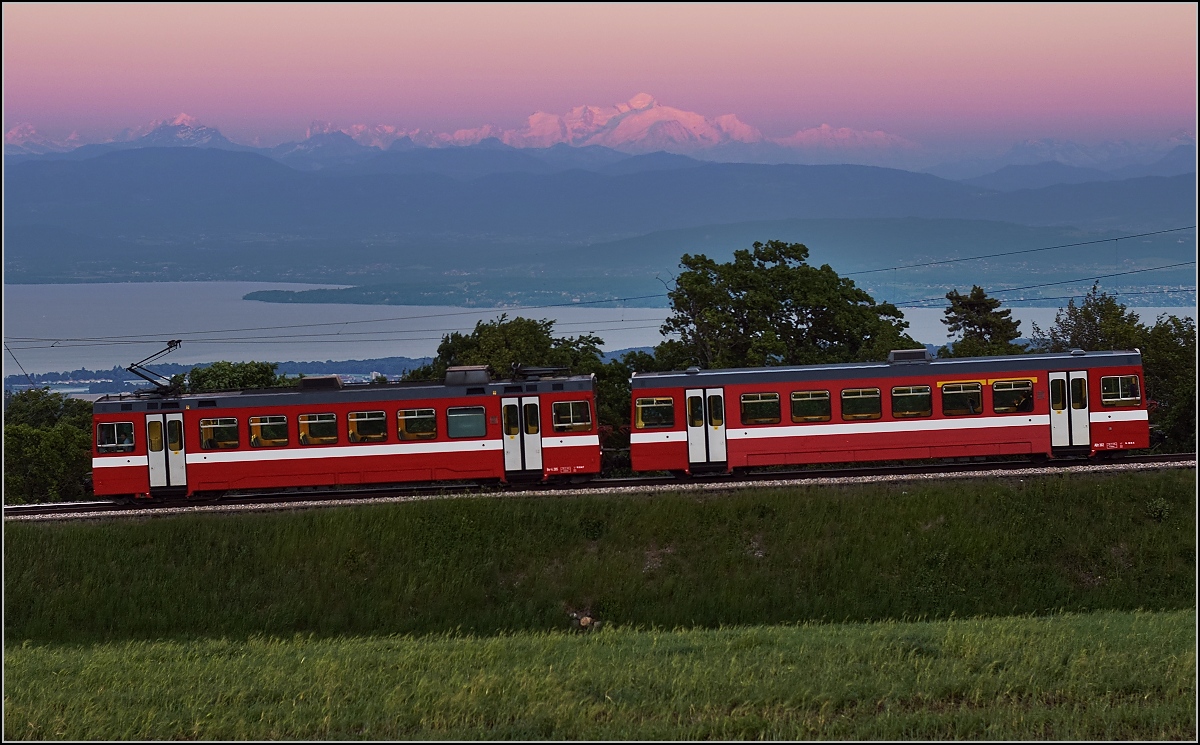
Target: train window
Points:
(571, 416)
(512, 420)
(466, 421)
(367, 426)
(531, 419)
(116, 437)
(1058, 394)
(218, 434)
(1012, 396)
(810, 406)
(910, 401)
(962, 399)
(268, 431)
(861, 403)
(417, 424)
(695, 411)
(154, 436)
(1120, 390)
(318, 429)
(1079, 393)
(175, 435)
(654, 413)
(760, 408)
(716, 411)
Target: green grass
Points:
(1105, 675)
(486, 566)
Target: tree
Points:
(47, 446)
(46, 464)
(770, 307)
(1098, 323)
(982, 329)
(42, 409)
(1169, 362)
(502, 343)
(232, 376)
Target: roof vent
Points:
(320, 383)
(692, 370)
(525, 372)
(909, 355)
(1077, 352)
(468, 375)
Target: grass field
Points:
(1104, 675)
(779, 614)
(860, 553)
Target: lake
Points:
(52, 328)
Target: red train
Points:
(543, 426)
(324, 434)
(910, 407)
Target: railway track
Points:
(315, 498)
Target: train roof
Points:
(337, 392)
(905, 363)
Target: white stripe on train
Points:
(863, 428)
(345, 451)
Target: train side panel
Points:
(119, 468)
(871, 411)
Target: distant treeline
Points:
(385, 366)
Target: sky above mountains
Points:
(958, 80)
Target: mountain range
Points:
(640, 125)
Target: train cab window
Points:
(318, 429)
(1120, 390)
(571, 416)
(416, 424)
(810, 406)
(760, 408)
(861, 403)
(268, 431)
(1012, 396)
(367, 426)
(466, 421)
(1079, 393)
(219, 434)
(910, 401)
(654, 413)
(115, 437)
(962, 399)
(1058, 394)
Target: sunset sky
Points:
(929, 73)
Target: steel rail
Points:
(449, 490)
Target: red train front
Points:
(324, 434)
(911, 407)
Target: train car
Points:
(910, 407)
(325, 434)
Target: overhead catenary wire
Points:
(194, 337)
(906, 304)
(10, 353)
(1016, 253)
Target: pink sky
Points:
(924, 72)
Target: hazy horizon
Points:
(954, 81)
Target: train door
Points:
(522, 434)
(706, 425)
(167, 459)
(1070, 424)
